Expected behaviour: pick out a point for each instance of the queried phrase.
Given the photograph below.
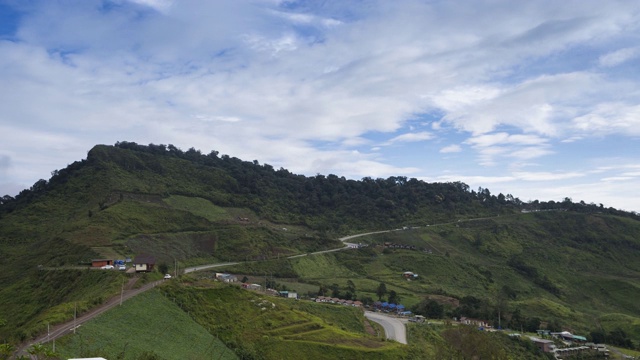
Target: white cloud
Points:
(619, 56)
(546, 176)
(410, 137)
(453, 148)
(492, 147)
(610, 118)
(303, 85)
(160, 5)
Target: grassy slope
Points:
(147, 323)
(125, 202)
(263, 328)
(118, 204)
(595, 272)
(272, 328)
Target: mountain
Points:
(186, 207)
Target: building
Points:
(543, 345)
(144, 263)
(476, 322)
(252, 286)
(288, 294)
(101, 262)
(409, 275)
(224, 277)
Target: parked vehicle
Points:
(122, 267)
(167, 276)
(106, 267)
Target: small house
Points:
(289, 294)
(101, 262)
(476, 322)
(543, 345)
(228, 278)
(144, 263)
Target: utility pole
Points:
(75, 311)
(121, 292)
(48, 334)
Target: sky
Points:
(538, 99)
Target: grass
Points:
(148, 323)
(594, 281)
(583, 267)
(273, 328)
(198, 206)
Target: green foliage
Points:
(571, 263)
(269, 328)
(381, 290)
(466, 342)
(430, 309)
(143, 328)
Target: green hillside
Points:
(568, 263)
(147, 325)
(560, 270)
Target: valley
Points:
(440, 250)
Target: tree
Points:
(598, 336)
(163, 268)
(323, 290)
(617, 336)
(381, 291)
(532, 324)
(36, 350)
(394, 298)
(501, 306)
(335, 290)
(366, 300)
(244, 279)
(430, 309)
(6, 350)
(351, 287)
(517, 320)
(554, 325)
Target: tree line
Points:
(291, 197)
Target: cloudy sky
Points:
(538, 99)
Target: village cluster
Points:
(140, 263)
(546, 341)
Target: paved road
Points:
(208, 266)
(347, 245)
(393, 327)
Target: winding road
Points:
(394, 328)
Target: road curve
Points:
(393, 328)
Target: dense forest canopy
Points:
(267, 190)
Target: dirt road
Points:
(68, 327)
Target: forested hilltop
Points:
(187, 208)
(321, 202)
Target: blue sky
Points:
(538, 99)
